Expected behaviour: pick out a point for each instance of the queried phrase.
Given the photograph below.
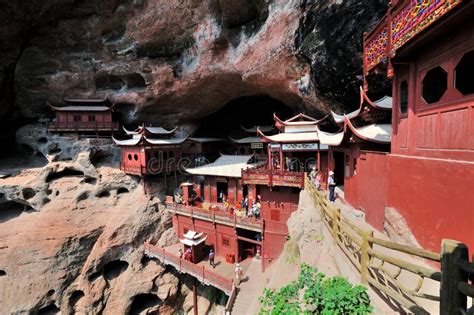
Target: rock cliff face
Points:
(174, 61)
(71, 235)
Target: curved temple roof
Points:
(298, 120)
(379, 133)
(385, 103)
(246, 140)
(224, 166)
(254, 128)
(138, 139)
(205, 139)
(289, 137)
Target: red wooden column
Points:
(213, 189)
(207, 190)
(252, 193)
(231, 190)
(282, 164)
(319, 157)
(270, 158)
(240, 190)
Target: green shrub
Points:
(314, 293)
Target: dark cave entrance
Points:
(247, 111)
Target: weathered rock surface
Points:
(71, 236)
(175, 61)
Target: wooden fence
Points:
(382, 263)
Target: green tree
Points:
(314, 293)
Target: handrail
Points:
(214, 215)
(358, 245)
(200, 273)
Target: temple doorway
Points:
(222, 191)
(339, 169)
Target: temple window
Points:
(165, 155)
(404, 96)
(464, 74)
(77, 117)
(225, 241)
(91, 117)
(171, 154)
(135, 157)
(434, 85)
(129, 157)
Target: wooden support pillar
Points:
(237, 256)
(319, 157)
(453, 254)
(270, 157)
(282, 164)
(195, 299)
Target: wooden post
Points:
(335, 224)
(195, 300)
(452, 253)
(319, 157)
(365, 257)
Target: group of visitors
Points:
(253, 211)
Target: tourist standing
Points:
(331, 187)
(238, 274)
(211, 258)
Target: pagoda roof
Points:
(291, 137)
(224, 166)
(79, 108)
(246, 140)
(150, 130)
(254, 128)
(383, 105)
(205, 139)
(192, 238)
(377, 133)
(297, 120)
(85, 100)
(141, 139)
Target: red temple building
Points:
(357, 152)
(230, 232)
(83, 115)
(428, 50)
(150, 151)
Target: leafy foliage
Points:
(314, 293)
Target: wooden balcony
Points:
(264, 176)
(205, 276)
(216, 216)
(75, 126)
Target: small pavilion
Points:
(150, 151)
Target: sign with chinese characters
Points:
(274, 146)
(300, 147)
(256, 145)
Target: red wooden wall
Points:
(436, 197)
(222, 238)
(442, 129)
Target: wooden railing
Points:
(183, 266)
(264, 176)
(381, 263)
(83, 126)
(216, 215)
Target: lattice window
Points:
(225, 241)
(464, 74)
(434, 85)
(404, 96)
